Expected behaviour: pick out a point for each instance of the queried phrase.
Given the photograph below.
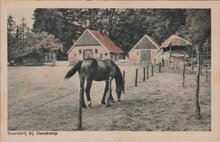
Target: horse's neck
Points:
(118, 78)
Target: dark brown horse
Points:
(98, 70)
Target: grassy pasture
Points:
(40, 99)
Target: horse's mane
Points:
(119, 75)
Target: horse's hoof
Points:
(119, 100)
(112, 101)
(90, 105)
(107, 105)
(103, 102)
(84, 106)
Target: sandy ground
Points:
(40, 99)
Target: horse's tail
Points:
(72, 71)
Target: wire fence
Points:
(41, 105)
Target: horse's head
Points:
(119, 89)
(119, 82)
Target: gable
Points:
(87, 39)
(94, 38)
(145, 43)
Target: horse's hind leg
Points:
(108, 95)
(88, 87)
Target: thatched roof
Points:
(175, 40)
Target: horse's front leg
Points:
(88, 87)
(105, 91)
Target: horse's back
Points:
(95, 69)
(99, 69)
(89, 62)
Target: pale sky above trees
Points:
(18, 13)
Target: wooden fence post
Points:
(147, 71)
(206, 74)
(152, 69)
(201, 70)
(184, 68)
(124, 81)
(79, 126)
(192, 61)
(143, 74)
(159, 67)
(136, 77)
(197, 104)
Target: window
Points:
(137, 53)
(96, 51)
(101, 56)
(80, 51)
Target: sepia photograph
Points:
(109, 69)
(154, 60)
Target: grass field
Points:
(40, 99)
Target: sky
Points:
(18, 13)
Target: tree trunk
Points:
(206, 73)
(192, 61)
(198, 112)
(201, 62)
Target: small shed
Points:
(35, 56)
(145, 51)
(93, 44)
(175, 50)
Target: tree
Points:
(11, 28)
(21, 41)
(124, 26)
(41, 44)
(21, 36)
(199, 23)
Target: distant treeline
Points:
(124, 26)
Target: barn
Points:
(93, 44)
(175, 50)
(145, 51)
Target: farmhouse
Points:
(92, 44)
(175, 50)
(145, 51)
